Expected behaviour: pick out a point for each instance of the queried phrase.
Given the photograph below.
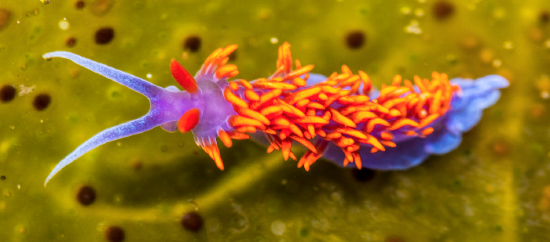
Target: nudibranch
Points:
(342, 117)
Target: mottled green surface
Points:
(492, 188)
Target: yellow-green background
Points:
(494, 187)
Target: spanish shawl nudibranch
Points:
(341, 117)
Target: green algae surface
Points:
(494, 187)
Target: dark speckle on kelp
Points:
(104, 35)
(7, 93)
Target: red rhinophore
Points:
(189, 120)
(183, 77)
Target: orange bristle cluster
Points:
(285, 114)
(217, 62)
(286, 110)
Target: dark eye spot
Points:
(192, 221)
(79, 4)
(86, 195)
(71, 41)
(104, 35)
(544, 16)
(363, 175)
(355, 39)
(192, 43)
(114, 234)
(7, 93)
(41, 101)
(3, 178)
(443, 9)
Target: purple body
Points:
(169, 104)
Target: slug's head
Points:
(201, 108)
(209, 119)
